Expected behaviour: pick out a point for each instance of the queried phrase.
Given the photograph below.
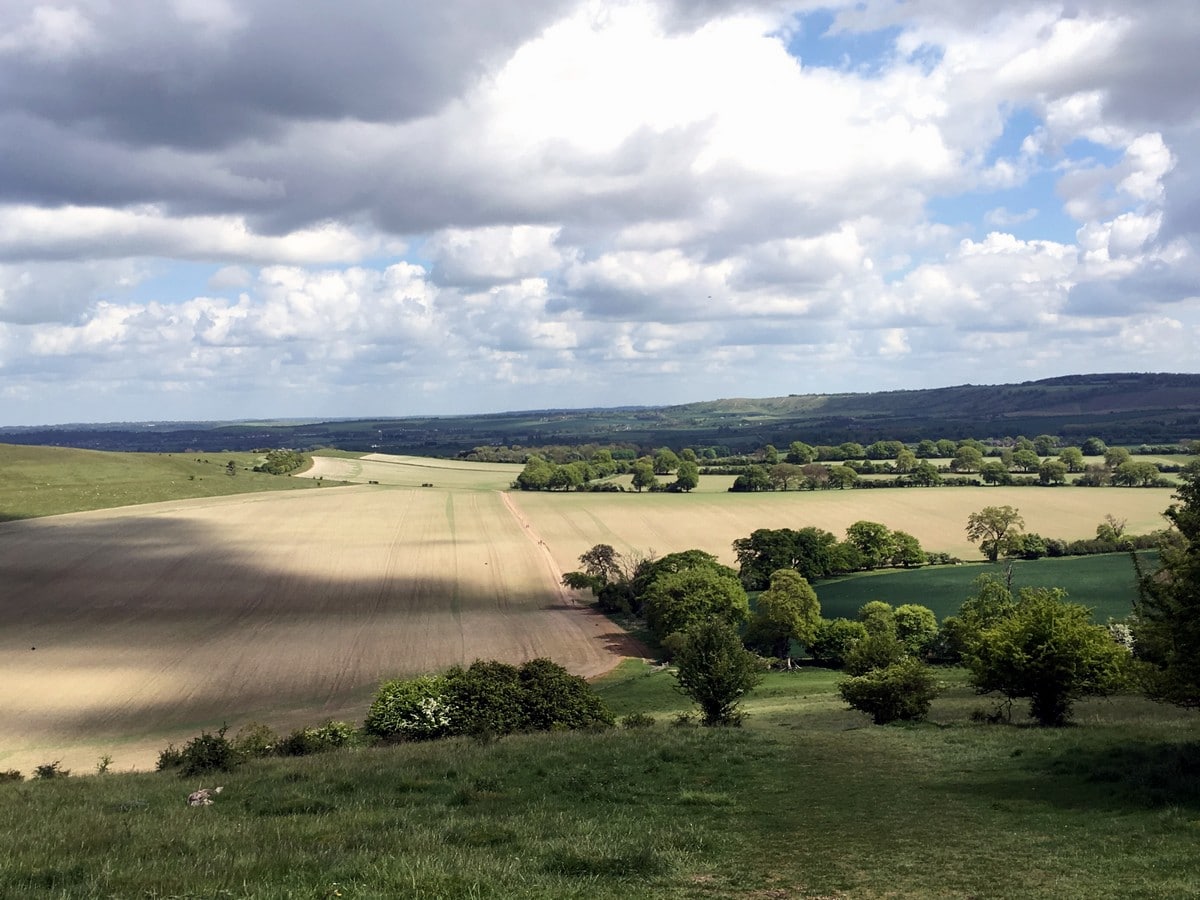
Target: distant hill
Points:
(1125, 408)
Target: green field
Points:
(47, 481)
(806, 801)
(1105, 583)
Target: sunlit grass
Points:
(807, 800)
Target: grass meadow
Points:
(1106, 584)
(806, 801)
(48, 481)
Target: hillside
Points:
(1119, 408)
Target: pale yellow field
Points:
(414, 471)
(152, 622)
(665, 523)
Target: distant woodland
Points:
(1120, 409)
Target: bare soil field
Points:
(125, 629)
(665, 523)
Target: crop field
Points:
(415, 471)
(126, 628)
(1105, 584)
(664, 523)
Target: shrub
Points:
(11, 775)
(204, 753)
(555, 699)
(901, 691)
(51, 770)
(637, 720)
(416, 709)
(306, 741)
(834, 640)
(875, 651)
(254, 741)
(485, 698)
(716, 671)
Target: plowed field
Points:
(126, 628)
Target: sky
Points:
(246, 209)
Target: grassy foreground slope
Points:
(807, 801)
(47, 481)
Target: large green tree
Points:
(787, 611)
(874, 541)
(992, 527)
(676, 601)
(1167, 623)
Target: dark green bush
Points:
(834, 640)
(11, 775)
(51, 770)
(556, 699)
(255, 741)
(875, 651)
(204, 753)
(902, 691)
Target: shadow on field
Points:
(150, 621)
(1133, 775)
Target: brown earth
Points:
(125, 629)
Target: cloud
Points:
(596, 202)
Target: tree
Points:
(716, 671)
(809, 551)
(688, 476)
(834, 641)
(665, 461)
(1054, 471)
(1111, 529)
(916, 628)
(967, 459)
(905, 462)
(787, 611)
(755, 478)
(800, 453)
(1048, 651)
(1072, 458)
(1026, 460)
(231, 468)
(991, 528)
(643, 475)
(877, 617)
(873, 541)
(1045, 444)
(946, 448)
(1093, 446)
(783, 474)
(926, 474)
(1166, 627)
(907, 552)
(842, 476)
(1135, 474)
(926, 449)
(678, 600)
(1115, 456)
(995, 472)
(770, 455)
(536, 474)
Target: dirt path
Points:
(623, 644)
